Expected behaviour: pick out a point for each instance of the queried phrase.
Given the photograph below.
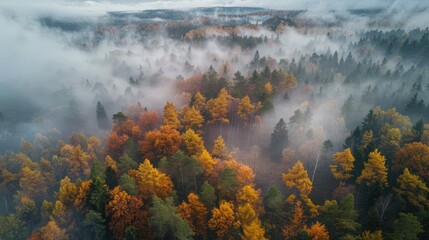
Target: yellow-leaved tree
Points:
(413, 189)
(218, 107)
(170, 116)
(342, 166)
(245, 110)
(253, 231)
(367, 235)
(374, 173)
(248, 194)
(199, 102)
(194, 144)
(207, 163)
(192, 119)
(219, 149)
(297, 178)
(223, 219)
(152, 182)
(318, 231)
(68, 192)
(53, 232)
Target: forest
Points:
(215, 123)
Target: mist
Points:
(75, 71)
(55, 55)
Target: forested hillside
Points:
(216, 123)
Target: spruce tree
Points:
(279, 140)
(102, 120)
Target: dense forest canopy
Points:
(233, 122)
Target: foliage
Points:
(166, 223)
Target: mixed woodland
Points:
(349, 161)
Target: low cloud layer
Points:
(40, 62)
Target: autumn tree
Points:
(342, 165)
(223, 219)
(115, 144)
(94, 148)
(63, 216)
(390, 139)
(296, 222)
(411, 188)
(244, 174)
(81, 201)
(192, 119)
(79, 163)
(415, 157)
(53, 232)
(279, 140)
(246, 214)
(219, 149)
(196, 213)
(159, 143)
(194, 144)
(32, 183)
(148, 120)
(218, 107)
(46, 210)
(253, 231)
(198, 102)
(125, 210)
(248, 194)
(377, 235)
(318, 231)
(170, 116)
(374, 173)
(152, 182)
(68, 192)
(208, 163)
(297, 178)
(245, 110)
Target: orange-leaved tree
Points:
(196, 213)
(159, 143)
(126, 210)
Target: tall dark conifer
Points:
(279, 140)
(102, 120)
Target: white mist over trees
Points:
(214, 119)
